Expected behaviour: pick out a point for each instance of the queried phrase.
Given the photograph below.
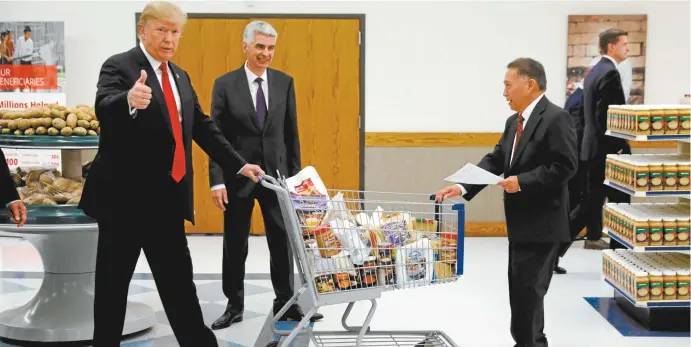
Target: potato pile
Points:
(47, 187)
(51, 120)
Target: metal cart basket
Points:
(353, 245)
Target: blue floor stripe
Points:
(620, 320)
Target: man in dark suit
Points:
(602, 88)
(9, 197)
(254, 106)
(140, 185)
(537, 156)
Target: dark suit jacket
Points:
(8, 190)
(135, 155)
(574, 107)
(602, 87)
(276, 146)
(544, 161)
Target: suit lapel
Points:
(529, 129)
(243, 90)
(508, 143)
(156, 89)
(273, 96)
(187, 108)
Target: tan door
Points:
(323, 56)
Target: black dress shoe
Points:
(294, 313)
(228, 318)
(559, 270)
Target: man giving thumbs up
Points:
(140, 185)
(139, 96)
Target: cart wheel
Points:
(272, 344)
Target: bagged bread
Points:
(349, 236)
(338, 210)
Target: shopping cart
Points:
(354, 245)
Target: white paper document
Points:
(472, 174)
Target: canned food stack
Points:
(648, 276)
(649, 224)
(649, 172)
(649, 119)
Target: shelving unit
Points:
(634, 248)
(656, 314)
(66, 239)
(647, 137)
(652, 193)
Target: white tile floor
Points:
(473, 311)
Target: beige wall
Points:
(423, 169)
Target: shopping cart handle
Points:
(267, 181)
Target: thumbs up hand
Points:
(140, 95)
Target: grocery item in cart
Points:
(396, 228)
(337, 209)
(310, 199)
(349, 237)
(414, 263)
(327, 242)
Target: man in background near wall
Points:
(255, 108)
(24, 54)
(574, 109)
(149, 115)
(537, 155)
(603, 87)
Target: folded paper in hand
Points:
(471, 174)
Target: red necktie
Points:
(519, 130)
(178, 171)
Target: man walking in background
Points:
(537, 155)
(602, 88)
(255, 108)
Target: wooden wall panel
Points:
(396, 139)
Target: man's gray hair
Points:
(258, 27)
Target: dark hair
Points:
(3, 34)
(530, 68)
(27, 29)
(610, 36)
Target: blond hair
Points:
(161, 10)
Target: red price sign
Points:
(12, 161)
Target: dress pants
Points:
(578, 214)
(595, 197)
(596, 193)
(161, 235)
(530, 271)
(236, 231)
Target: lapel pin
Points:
(176, 75)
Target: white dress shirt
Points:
(254, 88)
(156, 65)
(24, 48)
(526, 115)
